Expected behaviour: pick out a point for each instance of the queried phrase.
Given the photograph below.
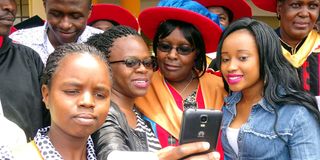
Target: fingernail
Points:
(216, 155)
(211, 155)
(206, 145)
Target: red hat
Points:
(113, 13)
(151, 18)
(267, 5)
(239, 8)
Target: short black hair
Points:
(89, 3)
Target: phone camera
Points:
(204, 118)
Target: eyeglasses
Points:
(182, 50)
(133, 62)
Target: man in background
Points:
(20, 71)
(66, 23)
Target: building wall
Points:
(35, 7)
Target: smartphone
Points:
(200, 125)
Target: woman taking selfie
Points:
(125, 134)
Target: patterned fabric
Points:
(5, 153)
(190, 101)
(152, 140)
(298, 56)
(37, 39)
(48, 151)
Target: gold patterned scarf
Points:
(311, 44)
(159, 104)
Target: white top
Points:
(232, 136)
(318, 101)
(11, 134)
(37, 39)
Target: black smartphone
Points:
(200, 125)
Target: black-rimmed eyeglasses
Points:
(133, 62)
(182, 49)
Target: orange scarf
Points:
(311, 44)
(160, 106)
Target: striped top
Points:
(152, 140)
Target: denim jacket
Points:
(257, 140)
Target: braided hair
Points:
(63, 51)
(104, 41)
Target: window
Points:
(22, 10)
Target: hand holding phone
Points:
(201, 125)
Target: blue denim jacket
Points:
(257, 139)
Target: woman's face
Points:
(130, 81)
(174, 65)
(223, 15)
(79, 95)
(297, 17)
(240, 64)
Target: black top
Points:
(116, 134)
(20, 89)
(309, 72)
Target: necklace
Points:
(185, 87)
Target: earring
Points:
(278, 16)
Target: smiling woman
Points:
(299, 41)
(267, 114)
(77, 95)
(126, 130)
(181, 39)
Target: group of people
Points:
(86, 86)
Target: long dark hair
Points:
(281, 81)
(191, 34)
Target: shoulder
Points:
(29, 150)
(115, 116)
(88, 32)
(25, 52)
(212, 78)
(212, 81)
(26, 36)
(297, 116)
(114, 110)
(12, 134)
